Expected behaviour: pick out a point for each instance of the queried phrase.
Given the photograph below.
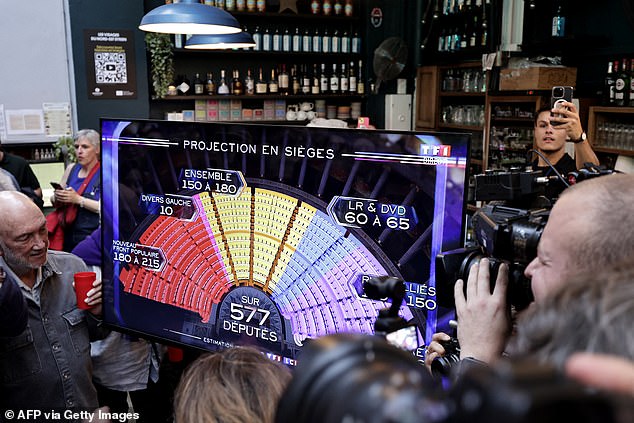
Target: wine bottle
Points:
(344, 81)
(223, 88)
(273, 83)
(631, 93)
(286, 40)
(352, 79)
(266, 40)
(249, 83)
(559, 22)
(283, 81)
(608, 86)
(307, 41)
(277, 40)
(260, 85)
(199, 87)
(323, 79)
(210, 86)
(257, 39)
(315, 87)
(622, 85)
(297, 41)
(360, 81)
(333, 85)
(237, 87)
(305, 83)
(325, 44)
(317, 41)
(295, 82)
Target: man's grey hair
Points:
(607, 238)
(591, 312)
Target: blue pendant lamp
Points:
(189, 17)
(220, 41)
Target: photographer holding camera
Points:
(590, 228)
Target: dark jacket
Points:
(48, 365)
(13, 315)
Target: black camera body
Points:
(441, 366)
(503, 234)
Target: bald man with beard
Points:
(46, 366)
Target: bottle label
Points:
(297, 43)
(345, 45)
(345, 86)
(260, 88)
(183, 87)
(277, 43)
(261, 5)
(335, 44)
(360, 87)
(198, 89)
(620, 84)
(251, 5)
(558, 26)
(334, 84)
(283, 83)
(326, 44)
(306, 43)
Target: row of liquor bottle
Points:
(317, 7)
(456, 7)
(310, 41)
(464, 80)
(339, 79)
(619, 83)
(315, 41)
(471, 33)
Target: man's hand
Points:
(568, 120)
(483, 318)
(435, 348)
(93, 298)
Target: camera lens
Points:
(441, 366)
(558, 92)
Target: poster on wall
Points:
(110, 64)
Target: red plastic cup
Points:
(83, 284)
(175, 354)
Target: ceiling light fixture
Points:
(220, 41)
(189, 17)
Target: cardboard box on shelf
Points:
(536, 78)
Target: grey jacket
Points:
(48, 365)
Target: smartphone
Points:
(558, 95)
(57, 185)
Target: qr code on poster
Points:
(110, 68)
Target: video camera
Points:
(508, 232)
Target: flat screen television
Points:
(221, 234)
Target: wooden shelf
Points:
(257, 97)
(460, 94)
(462, 127)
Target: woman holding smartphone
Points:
(81, 182)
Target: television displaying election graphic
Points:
(220, 234)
